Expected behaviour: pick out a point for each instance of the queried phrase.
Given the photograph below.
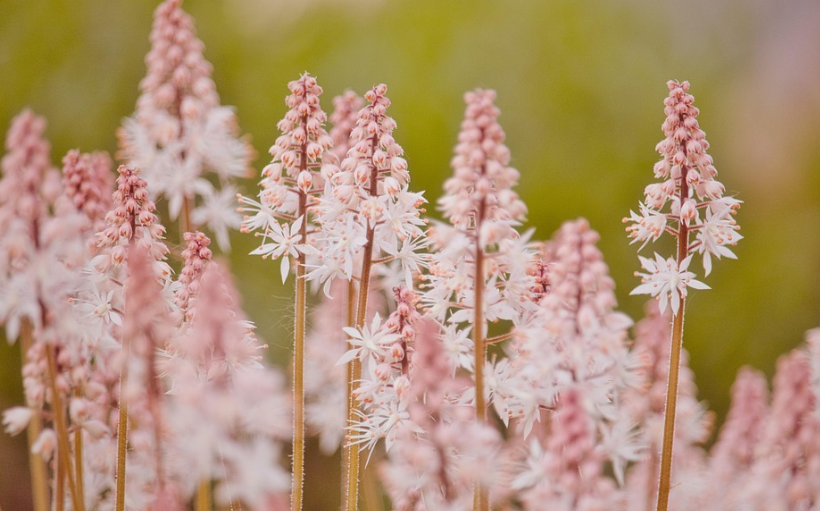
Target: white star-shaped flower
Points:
(666, 280)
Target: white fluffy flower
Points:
(666, 281)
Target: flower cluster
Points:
(688, 203)
(148, 391)
(483, 211)
(367, 206)
(180, 134)
(292, 179)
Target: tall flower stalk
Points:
(696, 209)
(369, 218)
(185, 141)
(480, 269)
(289, 187)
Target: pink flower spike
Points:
(665, 280)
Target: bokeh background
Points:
(580, 84)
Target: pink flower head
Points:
(687, 202)
(345, 113)
(132, 220)
(88, 183)
(180, 132)
(482, 174)
(743, 430)
(196, 257)
(290, 182)
(790, 444)
(368, 197)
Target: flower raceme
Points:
(180, 133)
(688, 203)
(368, 198)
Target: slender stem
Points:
(370, 489)
(356, 365)
(59, 486)
(481, 497)
(37, 466)
(203, 496)
(298, 473)
(122, 439)
(63, 446)
(664, 484)
(499, 338)
(78, 457)
(298, 369)
(356, 376)
(185, 217)
(481, 501)
(350, 322)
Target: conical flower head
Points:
(345, 113)
(481, 187)
(88, 183)
(132, 221)
(374, 165)
(743, 430)
(180, 132)
(688, 202)
(30, 184)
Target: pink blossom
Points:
(180, 132)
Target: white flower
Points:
(218, 212)
(666, 280)
(718, 230)
(649, 225)
(283, 242)
(16, 419)
(368, 341)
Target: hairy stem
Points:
(122, 441)
(78, 456)
(63, 446)
(480, 497)
(356, 376)
(185, 217)
(298, 368)
(37, 466)
(59, 486)
(350, 322)
(664, 484)
(356, 365)
(299, 350)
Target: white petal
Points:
(285, 268)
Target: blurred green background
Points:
(580, 85)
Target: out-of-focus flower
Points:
(180, 133)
